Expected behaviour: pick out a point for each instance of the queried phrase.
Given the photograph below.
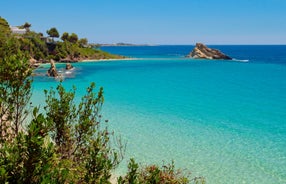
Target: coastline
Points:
(87, 61)
(100, 60)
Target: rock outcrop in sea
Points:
(201, 51)
(52, 72)
(69, 66)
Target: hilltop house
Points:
(17, 30)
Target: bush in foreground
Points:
(157, 175)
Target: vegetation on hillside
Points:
(35, 46)
(5, 33)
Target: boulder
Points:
(34, 63)
(52, 72)
(203, 52)
(69, 66)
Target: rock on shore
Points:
(201, 51)
(69, 66)
(52, 72)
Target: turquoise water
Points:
(222, 120)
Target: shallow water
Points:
(223, 120)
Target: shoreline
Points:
(100, 60)
(87, 61)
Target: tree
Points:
(4, 27)
(15, 93)
(83, 42)
(78, 135)
(5, 31)
(65, 36)
(73, 38)
(53, 32)
(26, 26)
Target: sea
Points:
(222, 120)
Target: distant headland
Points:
(39, 48)
(123, 44)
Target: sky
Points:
(156, 21)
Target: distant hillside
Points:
(39, 48)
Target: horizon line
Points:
(234, 44)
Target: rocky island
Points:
(201, 51)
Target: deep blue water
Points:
(224, 120)
(255, 53)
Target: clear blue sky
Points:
(156, 21)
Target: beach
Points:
(99, 60)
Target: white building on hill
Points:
(16, 30)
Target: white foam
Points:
(241, 60)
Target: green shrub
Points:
(153, 174)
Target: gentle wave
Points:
(240, 60)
